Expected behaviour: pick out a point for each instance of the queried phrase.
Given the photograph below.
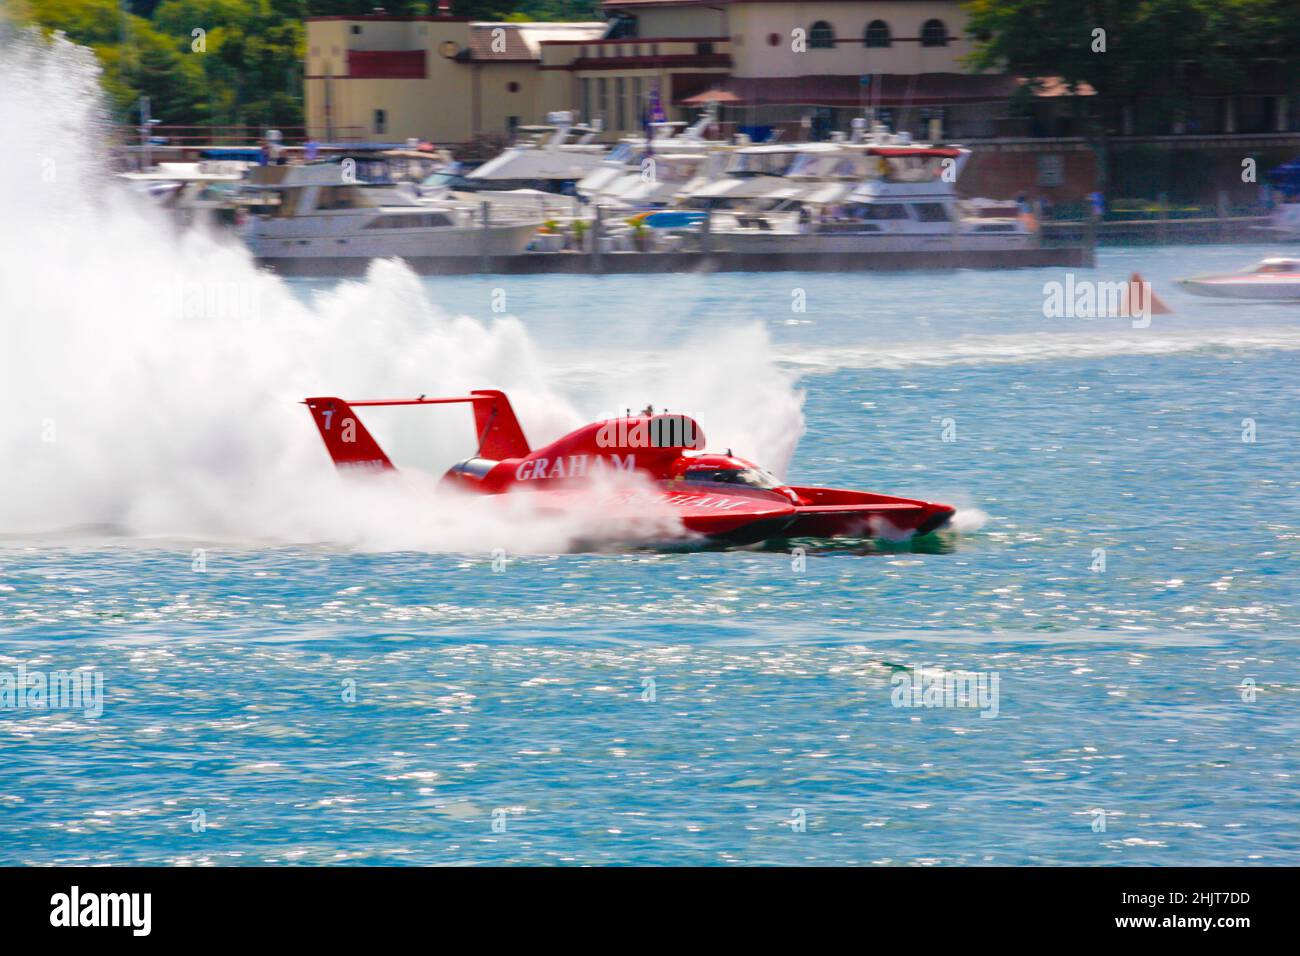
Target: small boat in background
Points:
(1275, 279)
(193, 193)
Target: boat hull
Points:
(502, 240)
(727, 514)
(1236, 287)
(860, 243)
(843, 513)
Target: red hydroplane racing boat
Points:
(722, 497)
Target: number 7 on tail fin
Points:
(348, 441)
(351, 445)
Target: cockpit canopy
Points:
(1274, 266)
(725, 469)
(647, 431)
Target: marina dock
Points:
(1160, 230)
(624, 263)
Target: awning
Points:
(880, 90)
(711, 96)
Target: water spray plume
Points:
(152, 377)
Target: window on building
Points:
(602, 97)
(620, 103)
(356, 30)
(821, 36)
(877, 34)
(586, 99)
(638, 107)
(624, 26)
(381, 121)
(703, 49)
(934, 33)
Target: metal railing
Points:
(197, 137)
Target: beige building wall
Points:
(459, 99)
(752, 24)
(558, 90)
(406, 111)
(438, 108)
(503, 91)
(701, 21)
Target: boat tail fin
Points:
(348, 441)
(1140, 294)
(499, 434)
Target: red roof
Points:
(616, 4)
(387, 17)
(619, 4)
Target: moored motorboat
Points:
(909, 204)
(319, 217)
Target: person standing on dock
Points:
(1098, 202)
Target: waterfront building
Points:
(800, 70)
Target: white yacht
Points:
(641, 173)
(907, 203)
(746, 177)
(319, 214)
(552, 158)
(193, 194)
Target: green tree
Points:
(1144, 48)
(245, 68)
(1152, 52)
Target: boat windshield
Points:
(821, 165)
(751, 477)
(622, 153)
(759, 164)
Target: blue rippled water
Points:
(1127, 573)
